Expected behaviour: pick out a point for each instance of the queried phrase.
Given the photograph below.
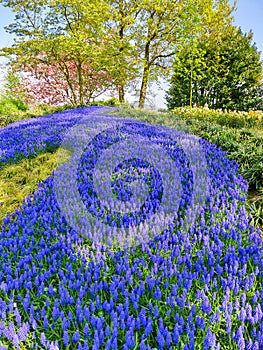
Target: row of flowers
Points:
(31, 136)
(223, 117)
(199, 288)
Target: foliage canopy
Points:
(76, 50)
(222, 70)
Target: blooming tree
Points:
(58, 83)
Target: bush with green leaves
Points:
(233, 119)
(11, 105)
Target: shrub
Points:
(10, 105)
(222, 117)
(110, 102)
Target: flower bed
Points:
(227, 118)
(32, 136)
(194, 288)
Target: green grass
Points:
(17, 181)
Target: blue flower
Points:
(206, 306)
(156, 311)
(240, 339)
(210, 340)
(176, 334)
(75, 337)
(65, 338)
(46, 323)
(129, 339)
(168, 338)
(160, 340)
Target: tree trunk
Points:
(121, 93)
(121, 36)
(80, 81)
(65, 71)
(145, 76)
(191, 86)
(143, 87)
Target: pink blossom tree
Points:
(60, 82)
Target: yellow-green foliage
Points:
(17, 181)
(222, 117)
(22, 345)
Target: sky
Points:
(248, 16)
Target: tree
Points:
(11, 99)
(165, 26)
(124, 14)
(224, 71)
(55, 83)
(64, 46)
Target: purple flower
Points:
(210, 340)
(160, 340)
(129, 339)
(176, 334)
(9, 331)
(51, 291)
(23, 332)
(86, 313)
(200, 322)
(75, 337)
(101, 288)
(243, 299)
(43, 339)
(242, 315)
(206, 306)
(249, 344)
(255, 346)
(240, 339)
(142, 345)
(65, 324)
(157, 294)
(142, 316)
(17, 317)
(66, 338)
(26, 301)
(55, 313)
(86, 331)
(96, 340)
(228, 323)
(168, 338)
(46, 324)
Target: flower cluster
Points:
(199, 288)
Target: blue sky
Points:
(6, 17)
(248, 16)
